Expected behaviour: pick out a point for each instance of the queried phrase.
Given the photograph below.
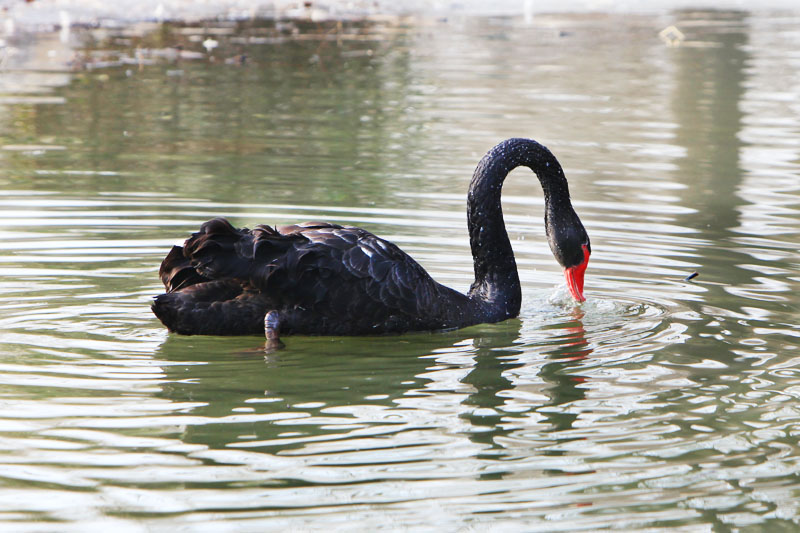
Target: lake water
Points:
(658, 405)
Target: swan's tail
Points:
(214, 281)
(221, 307)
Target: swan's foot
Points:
(272, 328)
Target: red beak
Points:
(574, 276)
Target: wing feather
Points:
(327, 271)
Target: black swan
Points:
(317, 278)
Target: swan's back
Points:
(321, 278)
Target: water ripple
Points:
(658, 404)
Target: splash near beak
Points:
(574, 276)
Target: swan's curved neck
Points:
(496, 278)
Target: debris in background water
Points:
(672, 36)
(209, 44)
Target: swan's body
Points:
(323, 279)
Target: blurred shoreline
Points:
(42, 42)
(49, 15)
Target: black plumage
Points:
(327, 279)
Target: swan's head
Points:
(570, 245)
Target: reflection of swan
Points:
(327, 389)
(507, 378)
(319, 278)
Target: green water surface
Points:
(658, 405)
